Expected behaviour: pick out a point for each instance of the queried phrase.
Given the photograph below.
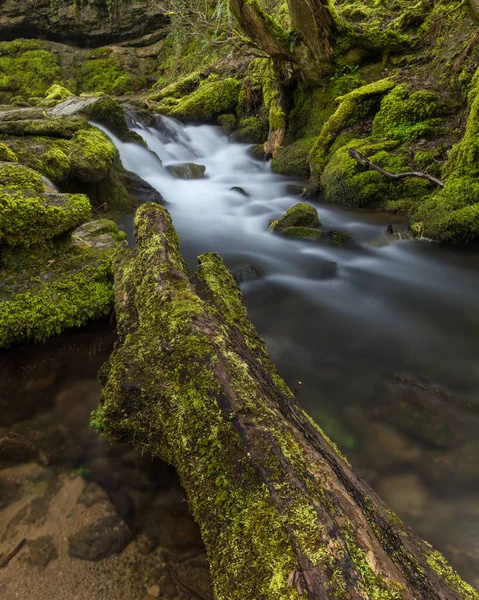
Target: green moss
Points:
(6, 154)
(27, 68)
(55, 164)
(338, 238)
(210, 99)
(182, 87)
(56, 94)
(18, 177)
(108, 76)
(108, 112)
(302, 232)
(345, 181)
(66, 292)
(294, 159)
(60, 128)
(437, 562)
(28, 217)
(406, 116)
(92, 155)
(299, 215)
(227, 121)
(251, 130)
(348, 106)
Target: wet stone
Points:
(106, 537)
(41, 551)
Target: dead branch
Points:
(394, 176)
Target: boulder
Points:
(30, 217)
(301, 220)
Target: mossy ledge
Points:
(281, 512)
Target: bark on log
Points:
(281, 512)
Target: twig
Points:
(395, 177)
(4, 562)
(472, 42)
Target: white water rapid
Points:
(368, 306)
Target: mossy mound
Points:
(298, 216)
(212, 98)
(251, 130)
(18, 177)
(345, 181)
(28, 217)
(6, 154)
(45, 297)
(56, 94)
(187, 171)
(294, 159)
(108, 112)
(406, 116)
(27, 68)
(103, 72)
(92, 155)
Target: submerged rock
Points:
(106, 537)
(245, 273)
(425, 411)
(187, 171)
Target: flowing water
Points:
(382, 334)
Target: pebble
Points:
(153, 591)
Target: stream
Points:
(382, 334)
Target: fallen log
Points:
(394, 176)
(282, 513)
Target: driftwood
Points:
(5, 560)
(281, 511)
(395, 177)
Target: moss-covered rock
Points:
(406, 116)
(14, 176)
(27, 68)
(28, 217)
(55, 94)
(108, 112)
(302, 232)
(60, 128)
(210, 99)
(92, 155)
(300, 215)
(227, 121)
(105, 73)
(187, 171)
(45, 297)
(181, 87)
(294, 158)
(251, 130)
(345, 181)
(6, 154)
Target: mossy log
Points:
(282, 513)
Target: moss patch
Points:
(210, 99)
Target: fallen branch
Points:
(4, 561)
(282, 513)
(394, 176)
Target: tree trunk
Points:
(281, 512)
(312, 20)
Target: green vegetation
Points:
(299, 215)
